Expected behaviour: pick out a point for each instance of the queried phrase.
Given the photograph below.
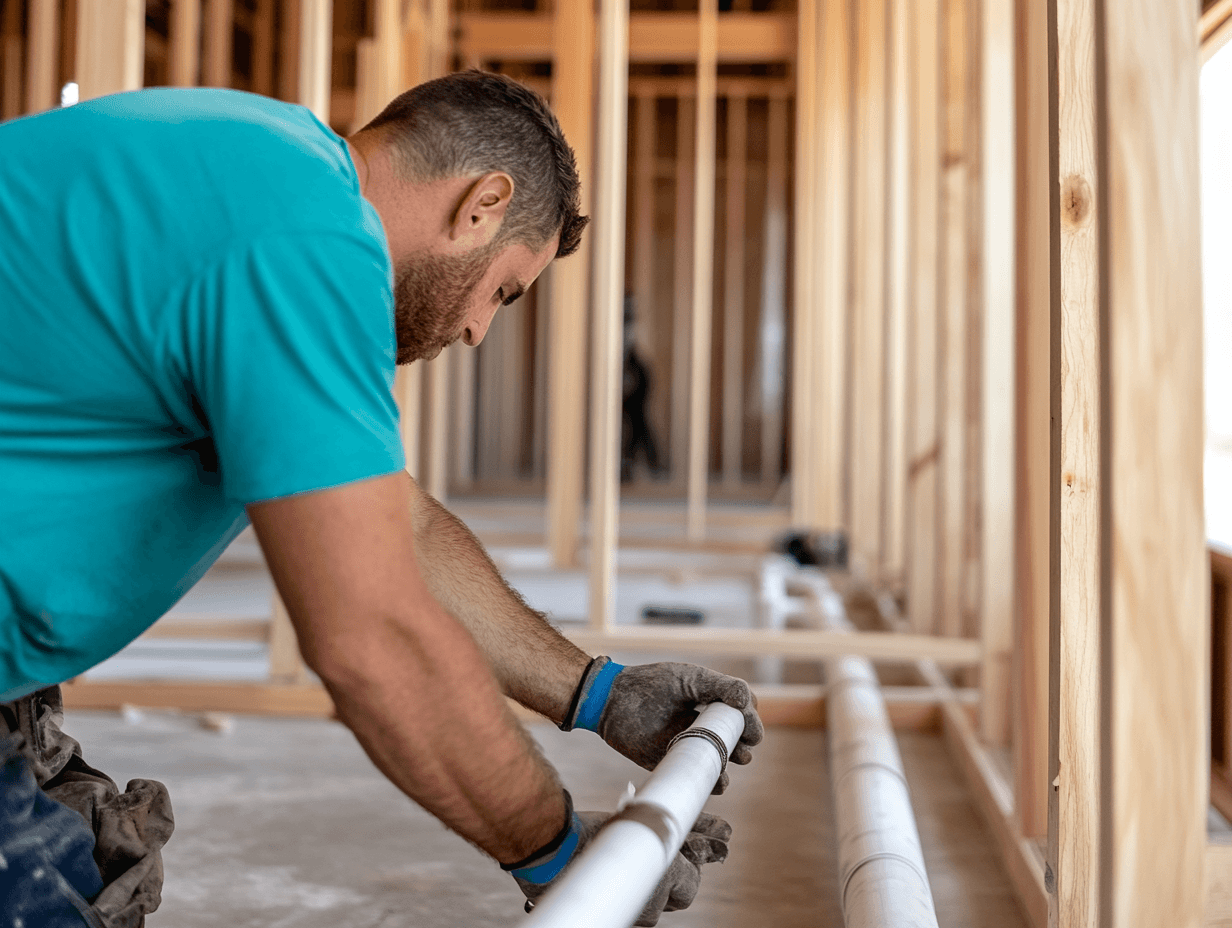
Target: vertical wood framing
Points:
(703, 271)
(1154, 560)
(830, 278)
(1074, 660)
(572, 100)
(735, 179)
(682, 286)
(290, 27)
(42, 55)
(315, 55)
(868, 305)
(922, 434)
(110, 46)
(12, 50)
(185, 28)
(219, 23)
(997, 608)
(464, 418)
(899, 296)
(643, 208)
(804, 470)
(774, 291)
(609, 306)
(1033, 447)
(263, 48)
(439, 418)
(952, 360)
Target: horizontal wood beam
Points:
(1218, 884)
(306, 699)
(887, 647)
(653, 37)
(206, 628)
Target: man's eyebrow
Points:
(518, 289)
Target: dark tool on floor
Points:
(671, 615)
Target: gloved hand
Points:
(639, 709)
(707, 842)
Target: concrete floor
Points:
(286, 823)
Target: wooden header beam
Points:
(653, 37)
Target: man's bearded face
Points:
(432, 294)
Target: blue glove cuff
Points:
(547, 871)
(590, 707)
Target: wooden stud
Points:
(610, 171)
(804, 471)
(736, 180)
(263, 48)
(645, 134)
(464, 417)
(1154, 702)
(922, 335)
(110, 46)
(1033, 444)
(285, 663)
(572, 100)
(408, 392)
(1075, 663)
(42, 55)
(831, 279)
(703, 272)
(868, 305)
(440, 415)
(219, 24)
(185, 28)
(290, 26)
(952, 360)
(12, 48)
(894, 529)
(315, 56)
(682, 290)
(774, 292)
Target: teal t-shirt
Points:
(196, 313)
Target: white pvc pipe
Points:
(610, 882)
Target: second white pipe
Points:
(610, 882)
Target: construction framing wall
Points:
(978, 230)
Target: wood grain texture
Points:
(1033, 446)
(734, 232)
(703, 271)
(42, 55)
(610, 171)
(304, 700)
(217, 31)
(110, 46)
(923, 436)
(1154, 544)
(1075, 733)
(573, 84)
(868, 302)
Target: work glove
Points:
(706, 842)
(638, 710)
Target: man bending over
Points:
(203, 295)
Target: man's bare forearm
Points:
(534, 663)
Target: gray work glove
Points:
(707, 842)
(639, 709)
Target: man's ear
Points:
(481, 210)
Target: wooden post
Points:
(805, 300)
(315, 55)
(11, 49)
(894, 529)
(1075, 660)
(1132, 431)
(643, 210)
(42, 55)
(774, 292)
(682, 301)
(185, 28)
(703, 271)
(923, 438)
(110, 46)
(263, 48)
(831, 280)
(868, 309)
(572, 100)
(609, 306)
(997, 609)
(1033, 454)
(952, 361)
(733, 290)
(219, 23)
(290, 27)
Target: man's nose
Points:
(477, 328)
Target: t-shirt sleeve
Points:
(290, 353)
